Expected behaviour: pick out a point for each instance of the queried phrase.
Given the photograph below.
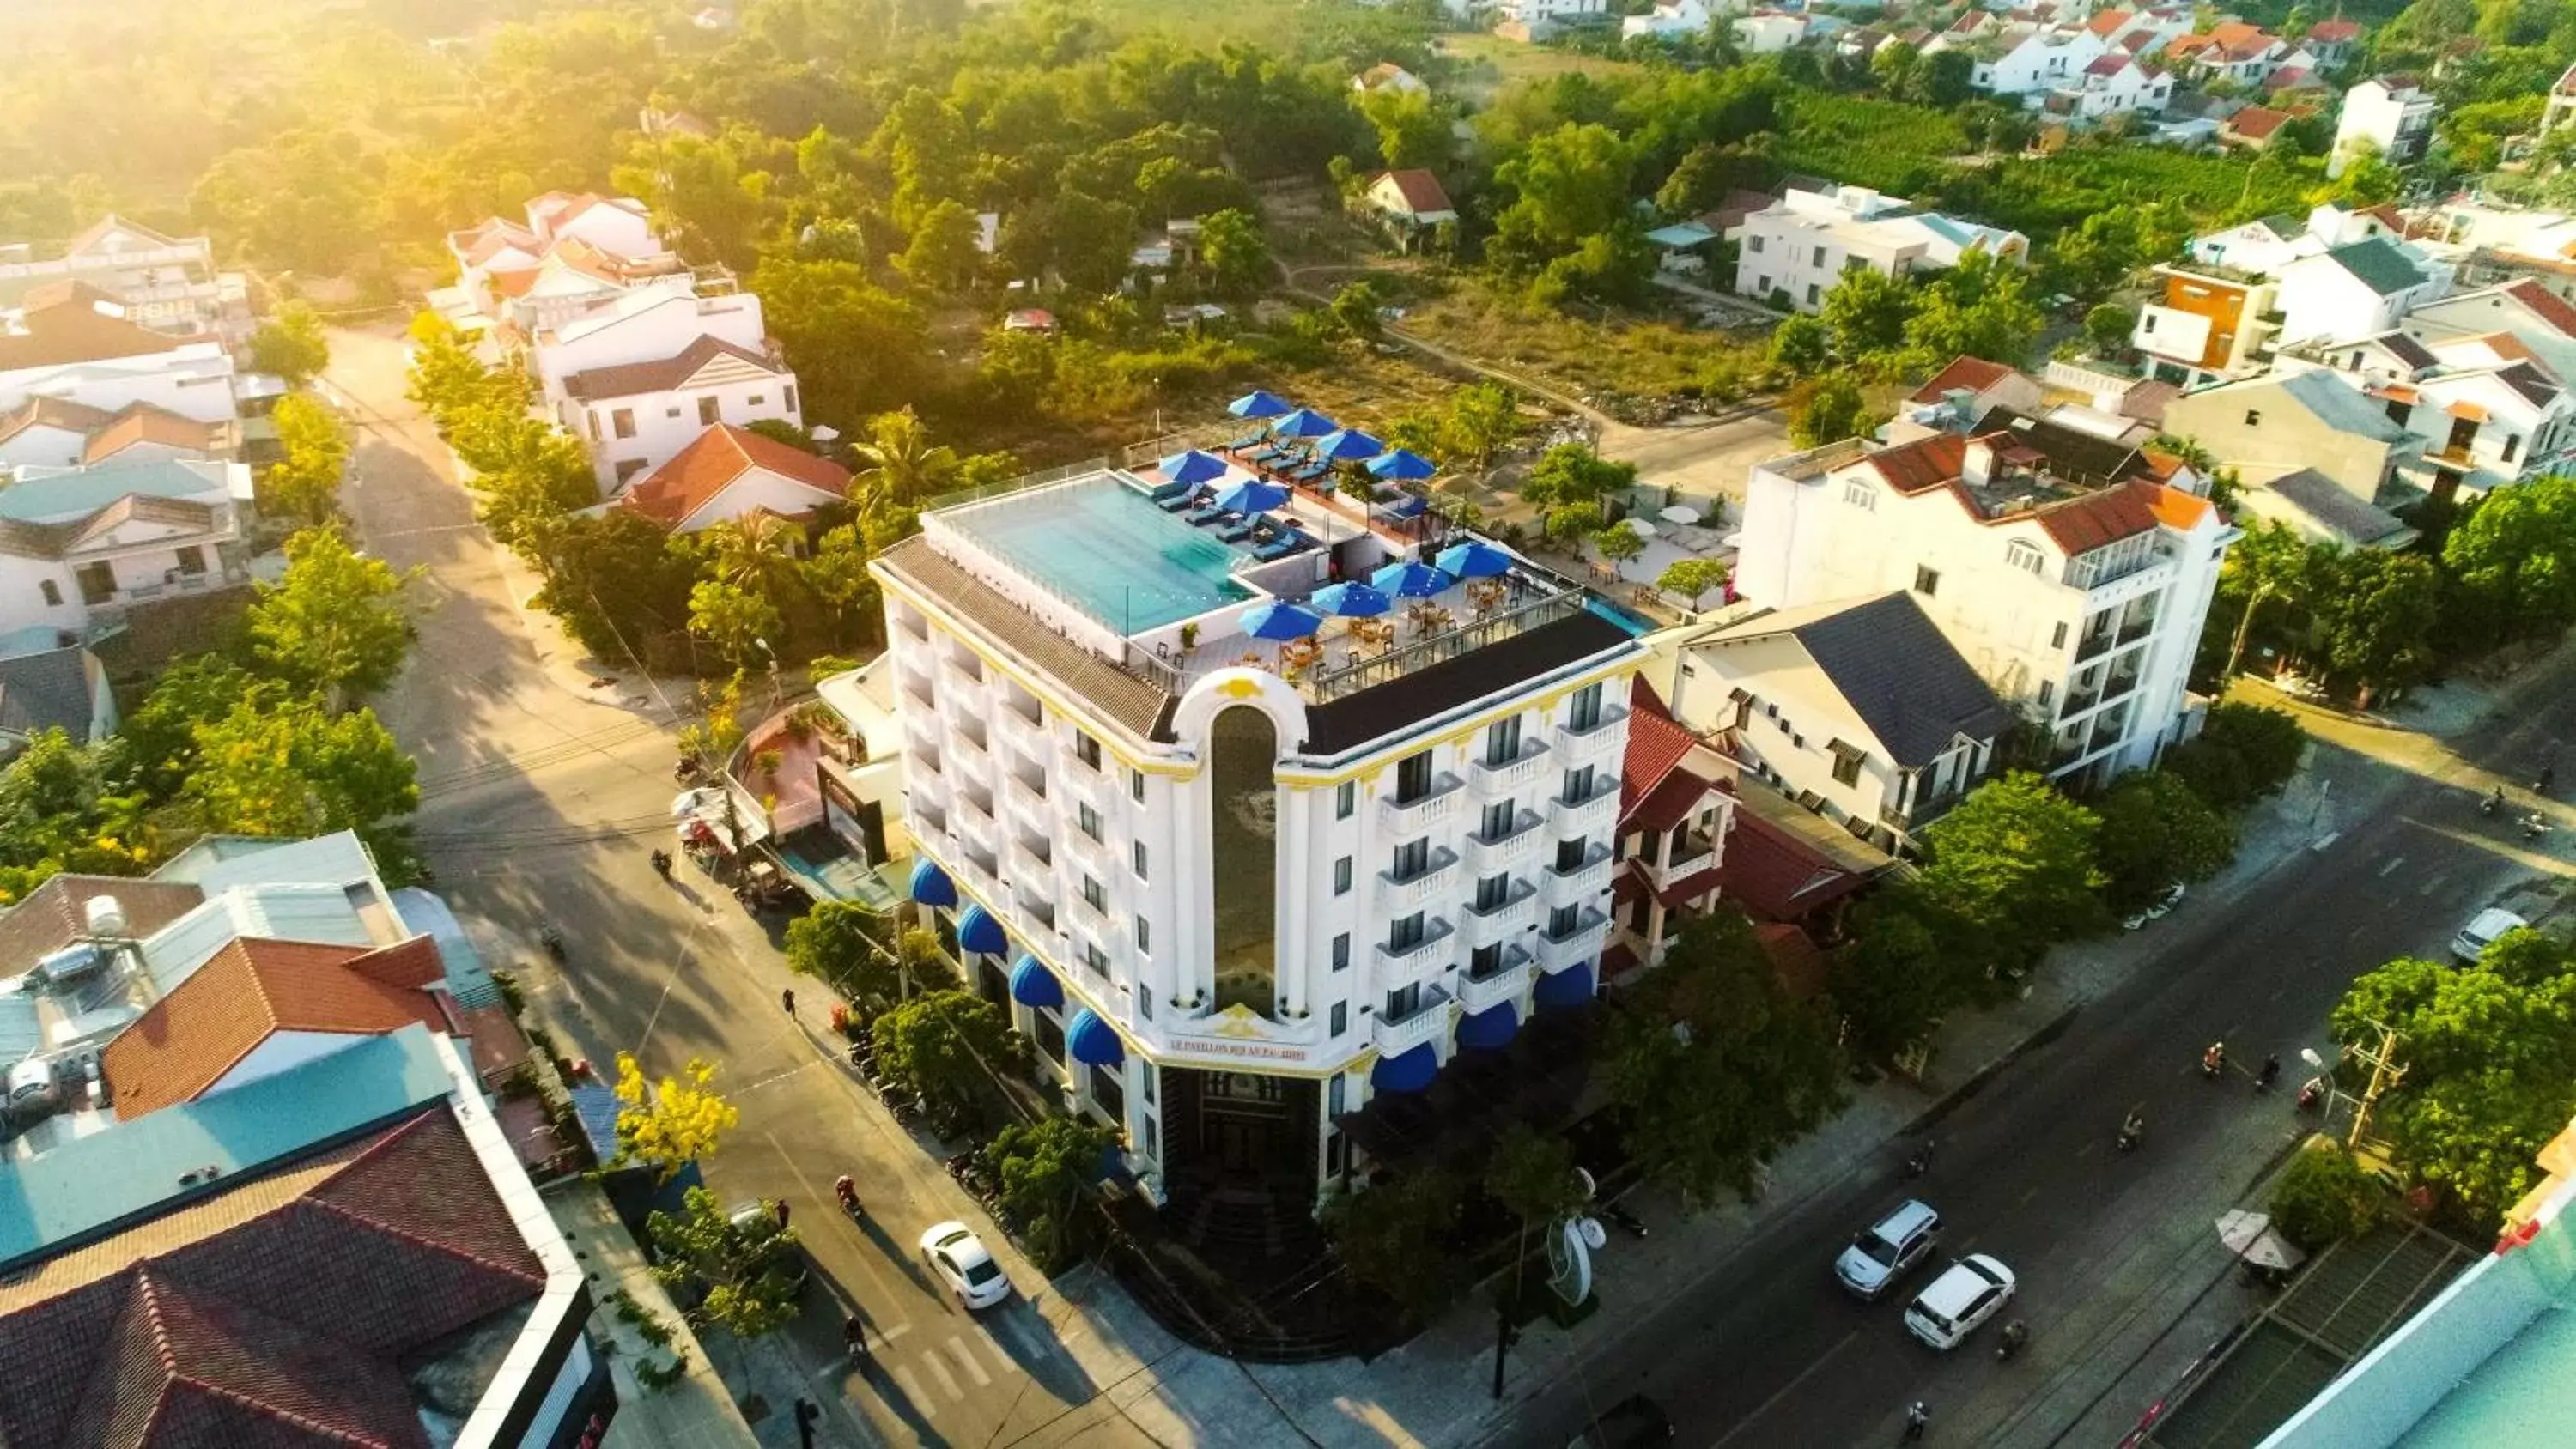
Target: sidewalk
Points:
(696, 1412)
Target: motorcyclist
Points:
(2016, 1333)
(2214, 1060)
(847, 1191)
(854, 1335)
(2132, 1129)
(2270, 1073)
(662, 861)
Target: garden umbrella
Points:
(1303, 423)
(1352, 601)
(1410, 580)
(1280, 620)
(1252, 496)
(1681, 513)
(1258, 404)
(1473, 560)
(1639, 527)
(1401, 466)
(2250, 1237)
(1192, 467)
(1349, 445)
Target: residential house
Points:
(1768, 32)
(2208, 326)
(572, 255)
(2264, 247)
(2140, 34)
(2111, 85)
(2251, 128)
(2072, 571)
(729, 473)
(2321, 510)
(1537, 16)
(649, 326)
(1408, 202)
(168, 284)
(45, 688)
(1677, 19)
(2331, 42)
(57, 432)
(81, 547)
(2391, 116)
(1859, 709)
(2297, 89)
(637, 416)
(1961, 393)
(1682, 248)
(1800, 244)
(618, 225)
(2488, 411)
(1676, 812)
(2312, 418)
(2232, 50)
(2028, 61)
(2542, 320)
(660, 124)
(71, 341)
(2359, 289)
(1386, 75)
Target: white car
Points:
(958, 1257)
(1965, 1295)
(1887, 1249)
(2481, 932)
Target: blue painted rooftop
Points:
(87, 490)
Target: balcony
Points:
(925, 731)
(1516, 776)
(1034, 902)
(1024, 735)
(1092, 855)
(981, 870)
(960, 677)
(1516, 850)
(1696, 854)
(1437, 880)
(924, 784)
(2095, 644)
(1397, 963)
(1427, 1022)
(1578, 947)
(1592, 814)
(1437, 806)
(912, 669)
(1580, 882)
(1074, 778)
(1498, 987)
(1032, 863)
(927, 819)
(971, 767)
(1504, 923)
(1598, 743)
(2137, 629)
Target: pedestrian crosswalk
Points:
(933, 1372)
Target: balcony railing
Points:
(1505, 919)
(1434, 806)
(1581, 881)
(2095, 644)
(2137, 629)
(1587, 814)
(1503, 984)
(1594, 742)
(1513, 850)
(1577, 947)
(1400, 961)
(1437, 880)
(1510, 777)
(1427, 1022)
(1696, 855)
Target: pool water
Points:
(1106, 548)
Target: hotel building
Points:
(1233, 889)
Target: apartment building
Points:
(2072, 571)
(170, 285)
(1235, 890)
(2210, 325)
(2390, 116)
(1799, 245)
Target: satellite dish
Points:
(1569, 1264)
(1593, 1236)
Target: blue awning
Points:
(1034, 985)
(1410, 1072)
(1569, 987)
(931, 885)
(1094, 1041)
(978, 931)
(1490, 1028)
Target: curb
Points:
(1977, 1081)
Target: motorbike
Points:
(687, 771)
(662, 864)
(1621, 1218)
(2015, 1334)
(2534, 826)
(848, 1192)
(2492, 803)
(1920, 1162)
(2270, 1073)
(2132, 1132)
(2311, 1092)
(2214, 1060)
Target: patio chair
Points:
(1235, 532)
(1187, 498)
(1310, 472)
(1170, 490)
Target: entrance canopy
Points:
(1490, 1028)
(1093, 1041)
(931, 885)
(1409, 1072)
(1569, 987)
(1034, 985)
(978, 931)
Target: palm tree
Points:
(899, 464)
(756, 553)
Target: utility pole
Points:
(2385, 1073)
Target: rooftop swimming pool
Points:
(1106, 549)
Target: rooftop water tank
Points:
(106, 916)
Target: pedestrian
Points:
(1917, 1419)
(780, 1204)
(806, 1413)
(787, 999)
(854, 1336)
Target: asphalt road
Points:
(1767, 1350)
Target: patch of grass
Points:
(1610, 353)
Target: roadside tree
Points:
(1046, 1169)
(669, 1124)
(304, 483)
(336, 622)
(946, 1045)
(1397, 1238)
(842, 943)
(2012, 870)
(1826, 409)
(291, 345)
(2513, 560)
(294, 770)
(2324, 1197)
(2156, 831)
(745, 1274)
(1235, 253)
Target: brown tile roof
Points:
(1656, 743)
(64, 322)
(2109, 23)
(50, 917)
(661, 375)
(2257, 123)
(285, 1309)
(253, 988)
(32, 540)
(144, 423)
(2334, 32)
(1923, 463)
(708, 466)
(1665, 806)
(2545, 304)
(52, 412)
(180, 513)
(1795, 959)
(1420, 189)
(1974, 374)
(2107, 515)
(1775, 876)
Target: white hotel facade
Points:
(1232, 899)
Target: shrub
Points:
(2323, 1197)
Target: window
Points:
(52, 591)
(1346, 798)
(1404, 1001)
(2057, 636)
(756, 399)
(787, 397)
(1153, 1139)
(1087, 750)
(1404, 932)
(1144, 936)
(1860, 495)
(1341, 1024)
(1413, 777)
(192, 559)
(671, 412)
(1585, 712)
(1493, 890)
(594, 425)
(2512, 444)
(1088, 819)
(1136, 792)
(2149, 326)
(1813, 291)
(1927, 582)
(97, 582)
(1578, 785)
(1412, 858)
(2022, 554)
(1560, 922)
(709, 412)
(629, 468)
(1094, 894)
(1144, 1004)
(2047, 694)
(1847, 766)
(1503, 739)
(1342, 951)
(1485, 960)
(1095, 959)
(1137, 851)
(1342, 876)
(1569, 854)
(1753, 244)
(1498, 821)
(1145, 1081)
(1820, 256)
(622, 422)
(2253, 417)
(2399, 412)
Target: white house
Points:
(71, 341)
(637, 416)
(641, 327)
(2057, 563)
(1386, 75)
(57, 432)
(1768, 32)
(1411, 198)
(2027, 60)
(2488, 413)
(730, 473)
(2359, 289)
(2110, 85)
(80, 547)
(1678, 19)
(1543, 12)
(2391, 113)
(2232, 50)
(168, 284)
(1800, 244)
(2541, 320)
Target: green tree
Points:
(837, 573)
(2513, 558)
(2013, 867)
(336, 622)
(1801, 345)
(1618, 543)
(303, 485)
(1571, 474)
(1397, 1238)
(1569, 186)
(1094, 242)
(1896, 977)
(1355, 309)
(161, 733)
(1046, 1169)
(1867, 311)
(669, 1124)
(1827, 409)
(1412, 128)
(64, 807)
(294, 770)
(1713, 1067)
(1235, 253)
(1892, 65)
(2242, 753)
(943, 257)
(945, 1045)
(1692, 578)
(2377, 622)
(1941, 79)
(291, 345)
(1980, 308)
(1481, 420)
(843, 944)
(858, 347)
(523, 499)
(2156, 831)
(616, 582)
(2324, 1197)
(739, 622)
(748, 1272)
(899, 463)
(2108, 327)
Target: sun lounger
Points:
(1170, 490)
(1310, 472)
(1182, 501)
(1268, 457)
(1248, 440)
(1208, 515)
(1281, 546)
(1235, 532)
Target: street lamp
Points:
(2325, 1073)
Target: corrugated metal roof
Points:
(468, 980)
(220, 862)
(317, 913)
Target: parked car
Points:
(790, 1255)
(1634, 1422)
(2482, 931)
(961, 1261)
(1966, 1294)
(1888, 1249)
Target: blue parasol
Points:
(1351, 601)
(1303, 423)
(1401, 466)
(1349, 446)
(1473, 560)
(1192, 467)
(1258, 404)
(1278, 620)
(1410, 580)
(1252, 496)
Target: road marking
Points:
(1788, 1388)
(889, 1335)
(911, 1386)
(947, 1380)
(966, 1361)
(2432, 883)
(2390, 869)
(2329, 838)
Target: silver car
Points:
(1887, 1249)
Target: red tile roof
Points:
(2107, 65)
(2257, 122)
(1673, 800)
(1656, 743)
(50, 917)
(1775, 877)
(1974, 374)
(1420, 189)
(2334, 32)
(2091, 520)
(1923, 463)
(253, 989)
(67, 322)
(2109, 23)
(2547, 305)
(707, 467)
